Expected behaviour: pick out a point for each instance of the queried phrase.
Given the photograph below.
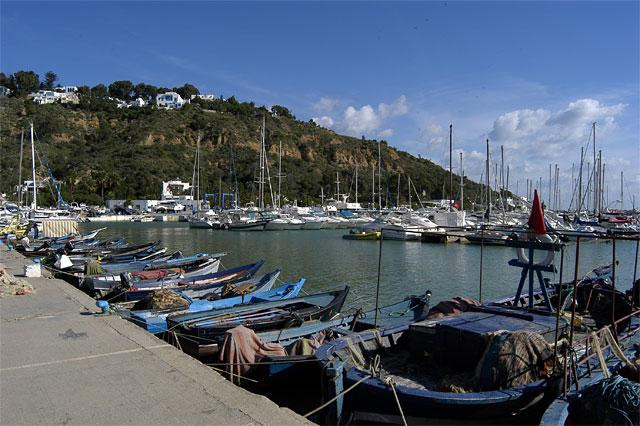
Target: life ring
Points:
(548, 260)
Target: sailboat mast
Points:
(409, 185)
(261, 183)
(20, 168)
(488, 183)
(595, 195)
(198, 162)
(461, 184)
(356, 183)
(579, 203)
(450, 166)
(33, 171)
(279, 174)
(373, 188)
(398, 194)
(621, 189)
(379, 178)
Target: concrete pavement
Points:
(62, 364)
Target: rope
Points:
(337, 396)
(395, 394)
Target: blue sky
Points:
(529, 76)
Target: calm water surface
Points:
(327, 261)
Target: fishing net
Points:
(514, 359)
(162, 299)
(12, 286)
(615, 400)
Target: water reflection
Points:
(328, 261)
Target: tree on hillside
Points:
(281, 111)
(99, 91)
(121, 89)
(84, 90)
(50, 78)
(187, 90)
(25, 82)
(6, 82)
(145, 91)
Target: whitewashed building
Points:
(205, 97)
(170, 100)
(51, 96)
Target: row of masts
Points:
(591, 198)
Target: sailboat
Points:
(198, 221)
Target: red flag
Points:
(536, 220)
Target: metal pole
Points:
(488, 184)
(573, 313)
(481, 257)
(614, 329)
(635, 272)
(375, 321)
(559, 306)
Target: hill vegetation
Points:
(98, 151)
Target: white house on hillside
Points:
(205, 97)
(64, 95)
(170, 100)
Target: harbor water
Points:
(327, 261)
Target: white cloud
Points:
(399, 107)
(365, 120)
(324, 121)
(360, 121)
(325, 105)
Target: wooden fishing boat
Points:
(253, 291)
(102, 284)
(201, 334)
(131, 290)
(422, 359)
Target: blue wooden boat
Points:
(179, 268)
(140, 289)
(419, 358)
(201, 333)
(156, 321)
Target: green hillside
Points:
(100, 152)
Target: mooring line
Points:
(82, 358)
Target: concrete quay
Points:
(60, 363)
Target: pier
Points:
(62, 363)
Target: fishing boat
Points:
(433, 379)
(253, 291)
(131, 289)
(104, 283)
(201, 334)
(249, 225)
(362, 235)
